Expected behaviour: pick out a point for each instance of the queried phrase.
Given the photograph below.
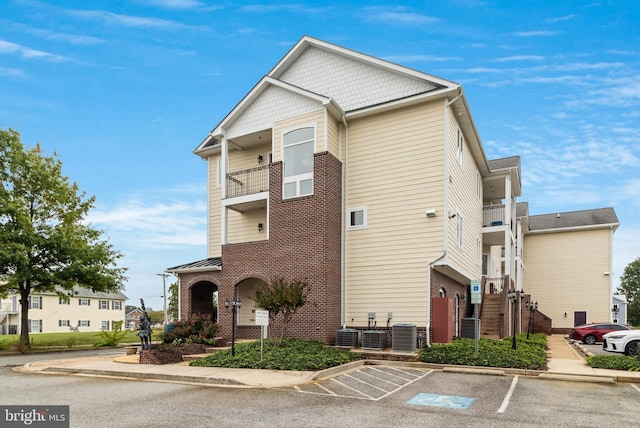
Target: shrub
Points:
(614, 362)
(198, 328)
(530, 354)
(108, 338)
(292, 354)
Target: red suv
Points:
(592, 333)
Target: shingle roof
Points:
(78, 291)
(212, 263)
(571, 219)
(504, 163)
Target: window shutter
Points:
(40, 298)
(29, 323)
(40, 326)
(59, 323)
(79, 301)
(88, 323)
(88, 302)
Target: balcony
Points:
(248, 181)
(493, 215)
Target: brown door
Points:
(442, 317)
(579, 318)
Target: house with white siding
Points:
(77, 310)
(369, 181)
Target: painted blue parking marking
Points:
(448, 401)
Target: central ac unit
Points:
(404, 338)
(374, 339)
(347, 337)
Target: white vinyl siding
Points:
(243, 227)
(575, 266)
(386, 263)
(214, 243)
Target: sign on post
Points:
(262, 319)
(476, 292)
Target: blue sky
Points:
(123, 91)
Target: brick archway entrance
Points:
(204, 299)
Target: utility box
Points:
(374, 339)
(468, 328)
(347, 337)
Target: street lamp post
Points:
(164, 293)
(235, 304)
(515, 296)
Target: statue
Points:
(145, 328)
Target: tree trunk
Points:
(24, 315)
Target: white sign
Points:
(262, 317)
(476, 291)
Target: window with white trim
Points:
(84, 302)
(84, 323)
(357, 218)
(460, 147)
(116, 305)
(104, 304)
(104, 326)
(64, 301)
(35, 326)
(459, 229)
(64, 323)
(297, 157)
(35, 302)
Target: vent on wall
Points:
(347, 337)
(374, 339)
(404, 338)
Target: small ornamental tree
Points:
(282, 297)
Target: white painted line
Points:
(404, 372)
(366, 383)
(353, 389)
(402, 386)
(636, 387)
(383, 380)
(330, 392)
(507, 397)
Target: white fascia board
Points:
(613, 226)
(198, 269)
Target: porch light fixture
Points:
(235, 304)
(260, 158)
(260, 227)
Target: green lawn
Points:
(41, 341)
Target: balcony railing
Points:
(493, 215)
(248, 181)
(494, 285)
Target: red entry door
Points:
(579, 318)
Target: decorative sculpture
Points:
(145, 328)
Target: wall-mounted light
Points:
(606, 274)
(260, 227)
(452, 214)
(431, 213)
(260, 158)
(565, 314)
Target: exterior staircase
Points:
(490, 316)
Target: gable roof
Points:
(78, 291)
(212, 263)
(346, 82)
(585, 219)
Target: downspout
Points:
(343, 237)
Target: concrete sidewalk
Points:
(565, 363)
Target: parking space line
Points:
(507, 397)
(636, 387)
(404, 372)
(366, 383)
(353, 389)
(377, 378)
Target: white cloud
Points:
(541, 33)
(520, 58)
(110, 18)
(397, 16)
(176, 4)
(28, 53)
(420, 58)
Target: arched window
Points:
(442, 292)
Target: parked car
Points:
(592, 333)
(625, 342)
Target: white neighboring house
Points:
(83, 310)
(619, 309)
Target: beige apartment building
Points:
(369, 181)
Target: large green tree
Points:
(46, 244)
(630, 286)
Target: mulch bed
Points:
(170, 354)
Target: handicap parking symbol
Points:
(448, 401)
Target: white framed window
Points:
(64, 301)
(64, 323)
(459, 225)
(357, 218)
(297, 157)
(84, 323)
(35, 302)
(105, 325)
(116, 305)
(84, 302)
(460, 147)
(103, 304)
(35, 326)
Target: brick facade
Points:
(304, 243)
(451, 287)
